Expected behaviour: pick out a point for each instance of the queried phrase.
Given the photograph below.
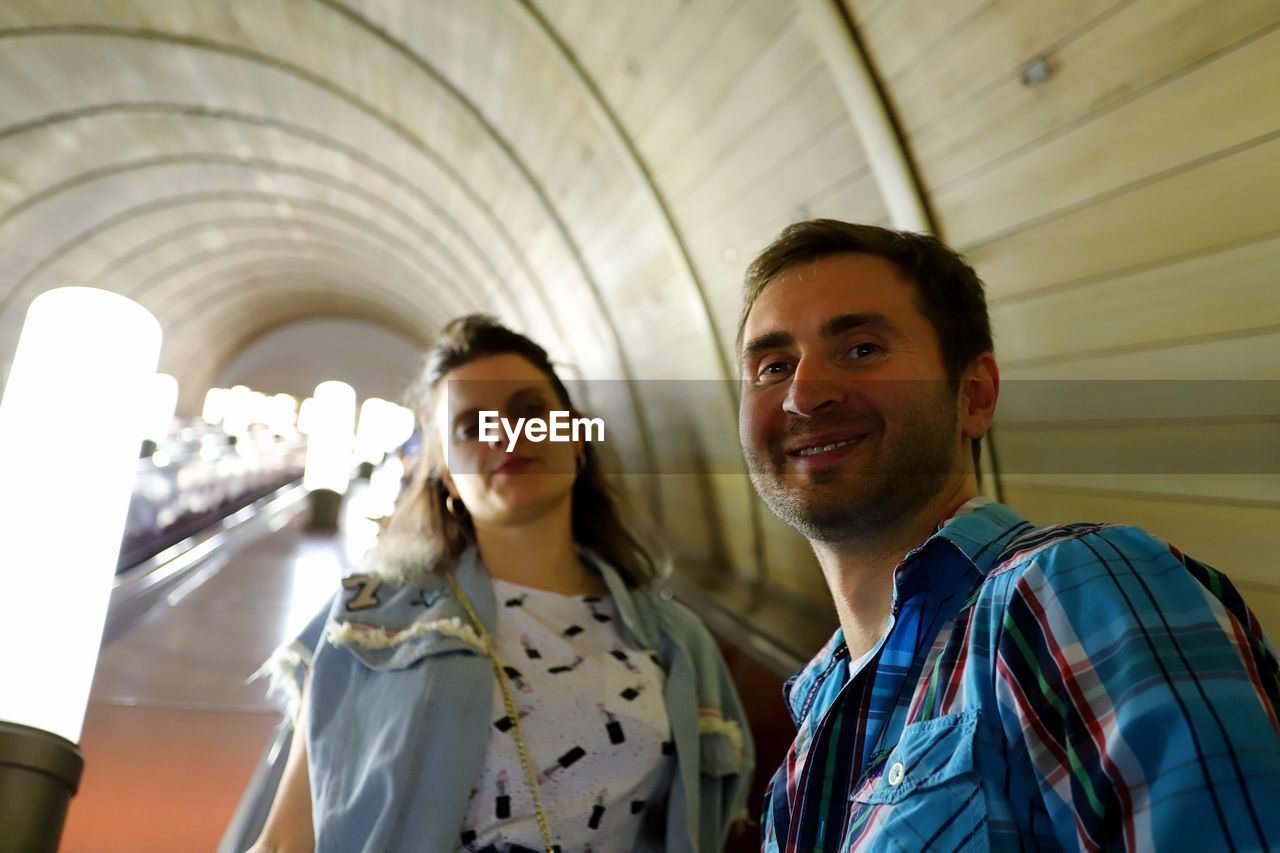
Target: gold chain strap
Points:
(544, 828)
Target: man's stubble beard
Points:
(906, 472)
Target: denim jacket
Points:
(400, 705)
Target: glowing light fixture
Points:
(213, 406)
(237, 410)
(383, 427)
(304, 416)
(331, 425)
(282, 415)
(163, 403)
(368, 440)
(84, 355)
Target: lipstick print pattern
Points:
(612, 726)
(569, 759)
(517, 680)
(502, 804)
(597, 811)
(632, 692)
(594, 723)
(569, 667)
(597, 613)
(504, 724)
(622, 657)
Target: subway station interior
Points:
(301, 192)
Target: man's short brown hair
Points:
(948, 292)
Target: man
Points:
(992, 684)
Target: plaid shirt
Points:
(1077, 686)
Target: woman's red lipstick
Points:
(514, 465)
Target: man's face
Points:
(848, 423)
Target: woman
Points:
(502, 676)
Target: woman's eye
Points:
(467, 431)
(535, 409)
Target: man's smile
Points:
(821, 449)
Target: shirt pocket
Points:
(926, 794)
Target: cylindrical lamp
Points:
(214, 404)
(84, 367)
(369, 434)
(304, 415)
(383, 427)
(284, 415)
(163, 403)
(237, 410)
(400, 426)
(332, 420)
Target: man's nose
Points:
(813, 390)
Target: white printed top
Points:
(594, 721)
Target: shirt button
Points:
(896, 772)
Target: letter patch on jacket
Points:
(365, 598)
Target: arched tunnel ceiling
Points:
(597, 174)
(237, 166)
(469, 141)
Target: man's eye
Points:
(772, 371)
(865, 350)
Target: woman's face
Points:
(496, 486)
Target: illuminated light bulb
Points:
(331, 429)
(284, 414)
(401, 423)
(163, 403)
(304, 416)
(370, 430)
(383, 427)
(83, 356)
(237, 411)
(384, 488)
(213, 406)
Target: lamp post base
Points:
(324, 507)
(39, 773)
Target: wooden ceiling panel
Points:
(1170, 299)
(985, 50)
(1144, 44)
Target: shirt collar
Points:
(980, 529)
(797, 689)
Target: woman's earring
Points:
(455, 507)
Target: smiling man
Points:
(993, 684)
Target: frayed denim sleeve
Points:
(287, 668)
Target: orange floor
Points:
(172, 732)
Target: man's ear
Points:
(979, 390)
